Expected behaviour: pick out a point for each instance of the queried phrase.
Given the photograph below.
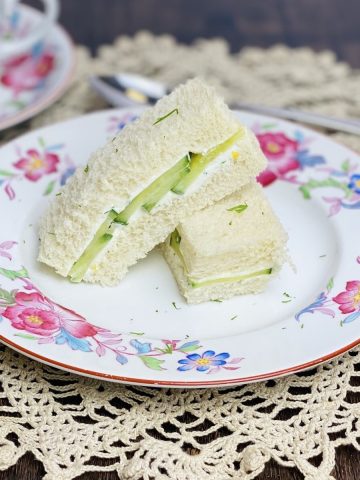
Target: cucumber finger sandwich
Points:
(183, 154)
(230, 248)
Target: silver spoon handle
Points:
(333, 123)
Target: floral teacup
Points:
(16, 38)
(26, 61)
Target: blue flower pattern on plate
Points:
(203, 362)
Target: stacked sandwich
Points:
(183, 173)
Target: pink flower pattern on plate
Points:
(36, 314)
(32, 313)
(35, 317)
(349, 300)
(36, 165)
(76, 325)
(4, 249)
(47, 322)
(280, 151)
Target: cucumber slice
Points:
(151, 195)
(101, 238)
(166, 185)
(148, 198)
(199, 162)
(175, 240)
(238, 278)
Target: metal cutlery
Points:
(126, 89)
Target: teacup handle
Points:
(18, 46)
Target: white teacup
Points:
(12, 43)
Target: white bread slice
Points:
(218, 243)
(130, 162)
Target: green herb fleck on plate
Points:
(86, 169)
(175, 306)
(330, 284)
(233, 318)
(288, 298)
(26, 335)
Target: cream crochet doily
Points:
(68, 421)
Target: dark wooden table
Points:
(320, 24)
(331, 24)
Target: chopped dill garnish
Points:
(176, 110)
(238, 208)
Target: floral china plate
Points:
(143, 331)
(31, 82)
